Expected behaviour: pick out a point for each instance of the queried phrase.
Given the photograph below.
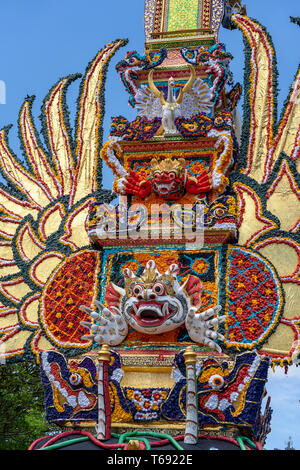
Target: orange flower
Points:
(200, 265)
(206, 299)
(132, 265)
(143, 172)
(196, 167)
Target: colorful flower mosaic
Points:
(145, 403)
(139, 129)
(226, 393)
(254, 298)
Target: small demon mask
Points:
(168, 177)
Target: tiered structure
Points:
(187, 284)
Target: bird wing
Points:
(148, 104)
(197, 100)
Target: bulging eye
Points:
(172, 175)
(75, 378)
(158, 288)
(216, 381)
(137, 290)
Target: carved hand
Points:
(137, 186)
(199, 326)
(107, 327)
(199, 184)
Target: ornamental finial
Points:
(104, 353)
(190, 355)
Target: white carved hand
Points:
(106, 327)
(199, 326)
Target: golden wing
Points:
(44, 207)
(267, 182)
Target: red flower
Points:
(251, 328)
(238, 260)
(156, 396)
(235, 334)
(266, 316)
(234, 296)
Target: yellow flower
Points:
(197, 167)
(231, 206)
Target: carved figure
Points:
(154, 303)
(193, 98)
(168, 180)
(133, 63)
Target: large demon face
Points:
(168, 178)
(154, 303)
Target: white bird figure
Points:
(194, 98)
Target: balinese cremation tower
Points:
(156, 310)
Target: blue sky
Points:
(284, 390)
(44, 40)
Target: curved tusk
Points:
(155, 91)
(188, 85)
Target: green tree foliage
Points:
(22, 417)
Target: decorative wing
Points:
(263, 138)
(267, 183)
(148, 104)
(197, 100)
(45, 258)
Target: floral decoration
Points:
(139, 129)
(227, 394)
(254, 299)
(44, 205)
(145, 403)
(200, 265)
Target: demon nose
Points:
(149, 294)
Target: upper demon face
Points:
(168, 178)
(118, 126)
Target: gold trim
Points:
(104, 353)
(176, 43)
(166, 34)
(157, 370)
(173, 429)
(165, 427)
